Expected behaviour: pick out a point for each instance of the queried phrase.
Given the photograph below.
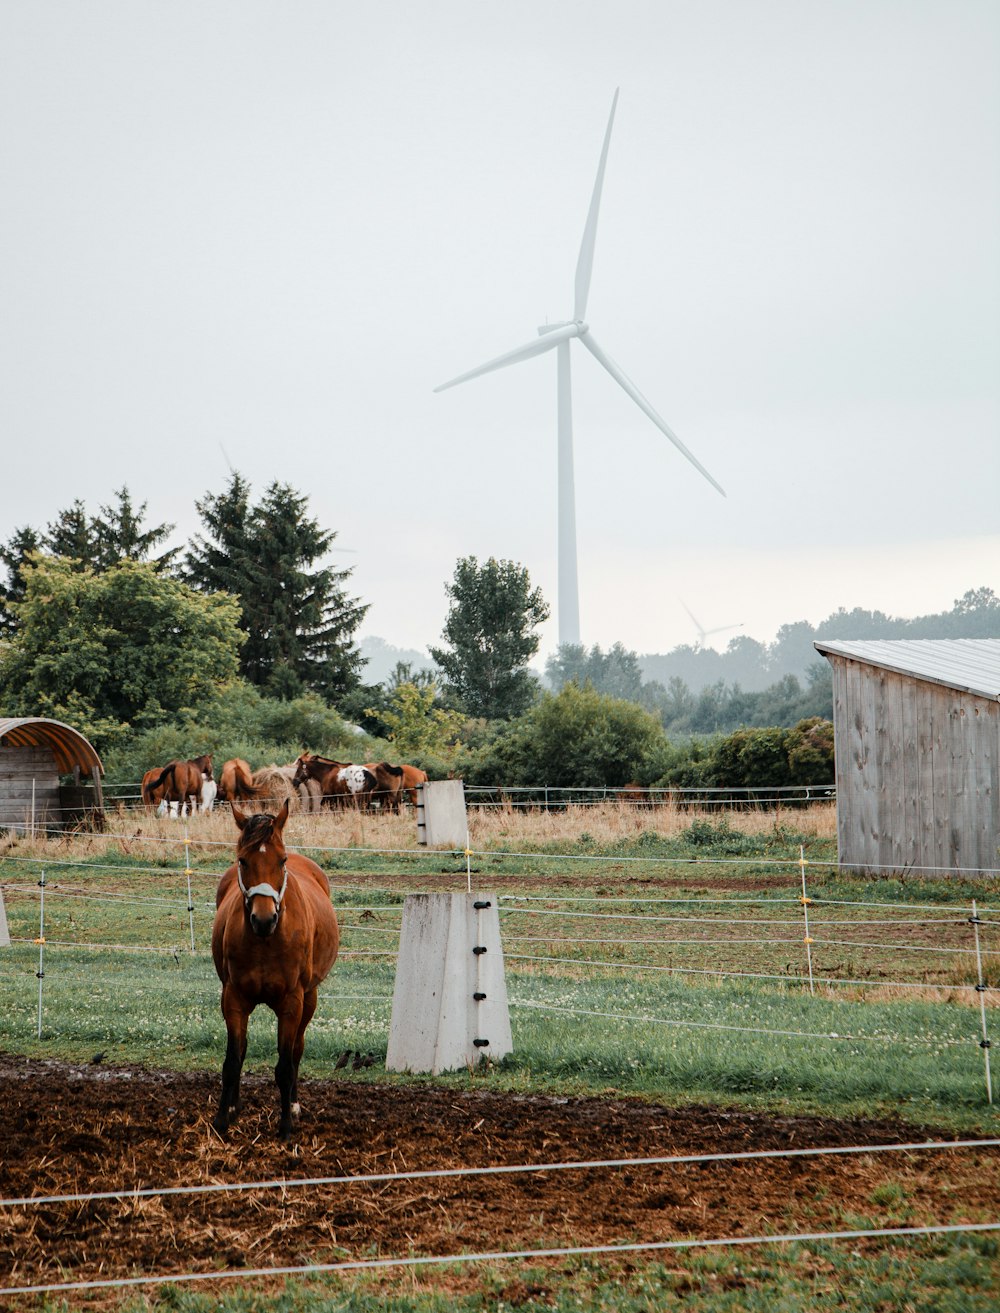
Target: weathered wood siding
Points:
(28, 775)
(918, 772)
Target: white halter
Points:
(265, 889)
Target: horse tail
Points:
(158, 782)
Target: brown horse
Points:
(151, 797)
(343, 783)
(274, 940)
(181, 782)
(412, 777)
(388, 785)
(235, 780)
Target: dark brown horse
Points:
(274, 940)
(181, 781)
(388, 785)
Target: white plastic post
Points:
(449, 1005)
(40, 973)
(442, 821)
(4, 928)
(805, 901)
(188, 873)
(984, 1043)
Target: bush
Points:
(239, 722)
(576, 738)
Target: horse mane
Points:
(258, 829)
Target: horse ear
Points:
(282, 816)
(238, 816)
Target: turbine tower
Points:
(558, 337)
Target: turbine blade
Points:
(626, 383)
(695, 622)
(585, 260)
(536, 348)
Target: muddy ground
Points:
(71, 1129)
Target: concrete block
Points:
(449, 1005)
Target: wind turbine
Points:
(558, 337)
(704, 633)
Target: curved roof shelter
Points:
(67, 745)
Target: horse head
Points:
(305, 768)
(204, 764)
(260, 867)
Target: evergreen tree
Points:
(14, 555)
(297, 616)
(220, 562)
(72, 535)
(119, 535)
(490, 632)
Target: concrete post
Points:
(449, 1005)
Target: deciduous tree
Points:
(490, 632)
(106, 651)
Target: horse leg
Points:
(289, 1022)
(236, 1014)
(309, 1000)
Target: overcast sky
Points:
(262, 232)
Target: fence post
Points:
(984, 1043)
(806, 900)
(187, 872)
(40, 941)
(449, 1003)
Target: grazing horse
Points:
(151, 797)
(388, 785)
(274, 939)
(342, 782)
(412, 777)
(235, 780)
(182, 781)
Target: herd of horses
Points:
(182, 788)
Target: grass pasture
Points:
(655, 954)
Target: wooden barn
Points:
(34, 754)
(917, 753)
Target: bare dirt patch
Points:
(75, 1129)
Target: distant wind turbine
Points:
(704, 633)
(558, 337)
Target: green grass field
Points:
(665, 966)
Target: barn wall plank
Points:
(918, 772)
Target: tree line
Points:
(244, 641)
(103, 627)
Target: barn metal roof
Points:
(68, 746)
(969, 664)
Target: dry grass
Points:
(135, 832)
(608, 823)
(147, 838)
